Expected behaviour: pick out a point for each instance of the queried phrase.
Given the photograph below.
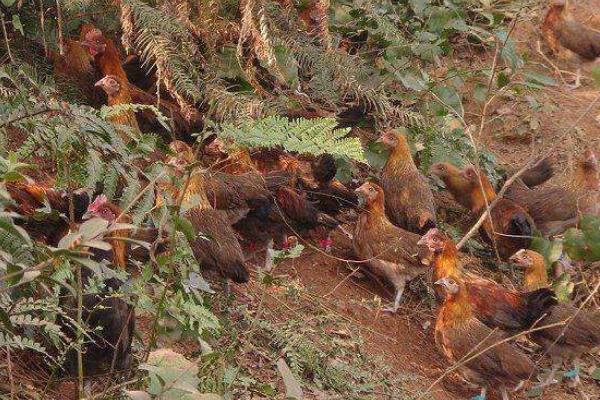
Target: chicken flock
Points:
(230, 194)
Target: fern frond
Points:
(314, 136)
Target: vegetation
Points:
(308, 77)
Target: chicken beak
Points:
(87, 215)
(99, 83)
(440, 282)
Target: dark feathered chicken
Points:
(408, 198)
(215, 246)
(388, 251)
(564, 343)
(565, 36)
(330, 194)
(111, 323)
(460, 335)
(491, 303)
(508, 226)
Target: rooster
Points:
(508, 226)
(408, 198)
(568, 342)
(461, 337)
(491, 303)
(387, 250)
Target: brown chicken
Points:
(385, 249)
(491, 303)
(508, 227)
(113, 88)
(566, 342)
(461, 336)
(408, 198)
(51, 222)
(216, 246)
(567, 37)
(586, 184)
(554, 209)
(454, 182)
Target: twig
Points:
(5, 34)
(79, 332)
(59, 22)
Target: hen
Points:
(491, 303)
(567, 37)
(387, 250)
(114, 89)
(215, 246)
(461, 336)
(508, 227)
(408, 198)
(578, 331)
(46, 211)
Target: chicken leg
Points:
(399, 285)
(482, 395)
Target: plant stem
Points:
(5, 34)
(59, 21)
(79, 333)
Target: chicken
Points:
(111, 323)
(554, 209)
(102, 208)
(215, 246)
(114, 89)
(330, 194)
(461, 337)
(408, 198)
(46, 210)
(579, 331)
(386, 250)
(586, 184)
(454, 182)
(508, 227)
(491, 303)
(567, 37)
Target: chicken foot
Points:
(399, 285)
(550, 378)
(482, 395)
(573, 374)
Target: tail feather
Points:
(521, 225)
(324, 168)
(327, 220)
(238, 272)
(539, 174)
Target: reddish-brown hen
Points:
(408, 198)
(567, 37)
(460, 335)
(491, 303)
(508, 227)
(577, 332)
(386, 250)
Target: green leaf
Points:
(502, 80)
(8, 3)
(16, 230)
(480, 93)
(410, 81)
(542, 79)
(16, 21)
(596, 374)
(596, 76)
(184, 226)
(93, 228)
